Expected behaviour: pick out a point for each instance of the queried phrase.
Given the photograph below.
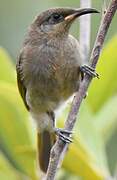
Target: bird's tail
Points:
(45, 142)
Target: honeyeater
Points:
(49, 70)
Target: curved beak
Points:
(80, 12)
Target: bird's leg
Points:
(61, 133)
(85, 69)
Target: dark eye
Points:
(55, 18)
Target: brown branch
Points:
(60, 146)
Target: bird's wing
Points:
(21, 86)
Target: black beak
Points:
(80, 12)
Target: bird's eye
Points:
(56, 18)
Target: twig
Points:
(70, 122)
(85, 22)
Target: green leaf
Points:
(7, 172)
(14, 130)
(6, 67)
(106, 86)
(80, 163)
(106, 119)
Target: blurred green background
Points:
(16, 16)
(93, 155)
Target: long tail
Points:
(45, 142)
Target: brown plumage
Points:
(48, 71)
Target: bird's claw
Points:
(63, 135)
(89, 70)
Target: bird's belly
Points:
(47, 95)
(70, 82)
(43, 97)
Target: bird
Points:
(49, 70)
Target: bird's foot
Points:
(63, 135)
(89, 70)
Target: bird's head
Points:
(57, 21)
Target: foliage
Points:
(86, 157)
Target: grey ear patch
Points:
(45, 28)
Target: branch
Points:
(60, 146)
